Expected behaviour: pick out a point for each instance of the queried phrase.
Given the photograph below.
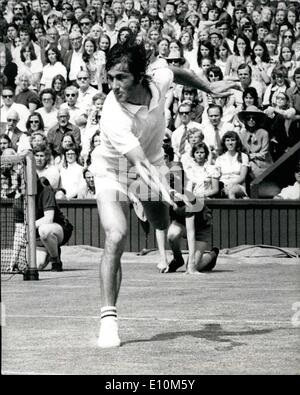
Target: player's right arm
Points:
(150, 175)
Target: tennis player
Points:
(132, 131)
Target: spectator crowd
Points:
(54, 84)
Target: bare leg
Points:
(113, 219)
(160, 238)
(52, 236)
(202, 259)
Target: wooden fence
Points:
(235, 222)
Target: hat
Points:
(254, 111)
(175, 55)
(188, 14)
(215, 31)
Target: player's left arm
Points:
(189, 78)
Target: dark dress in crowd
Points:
(277, 135)
(10, 72)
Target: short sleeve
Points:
(48, 199)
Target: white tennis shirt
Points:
(127, 126)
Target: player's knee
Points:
(115, 239)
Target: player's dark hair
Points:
(132, 54)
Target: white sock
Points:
(108, 334)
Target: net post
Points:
(31, 273)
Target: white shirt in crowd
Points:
(291, 192)
(49, 118)
(22, 110)
(50, 71)
(77, 64)
(177, 136)
(72, 179)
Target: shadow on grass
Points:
(210, 332)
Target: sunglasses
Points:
(70, 94)
(248, 117)
(36, 122)
(12, 120)
(288, 36)
(85, 23)
(82, 78)
(7, 96)
(184, 112)
(66, 19)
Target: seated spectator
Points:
(59, 85)
(278, 122)
(13, 131)
(191, 94)
(179, 137)
(67, 141)
(245, 77)
(42, 155)
(86, 92)
(8, 69)
(255, 140)
(292, 191)
(33, 124)
(38, 139)
(232, 166)
(30, 62)
(214, 129)
(26, 96)
(260, 65)
(5, 142)
(63, 126)
(48, 110)
(223, 51)
(8, 103)
(214, 73)
(202, 176)
(94, 65)
(241, 55)
(229, 110)
(280, 83)
(294, 96)
(71, 175)
(95, 141)
(88, 190)
(250, 98)
(195, 136)
(52, 68)
(271, 41)
(75, 111)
